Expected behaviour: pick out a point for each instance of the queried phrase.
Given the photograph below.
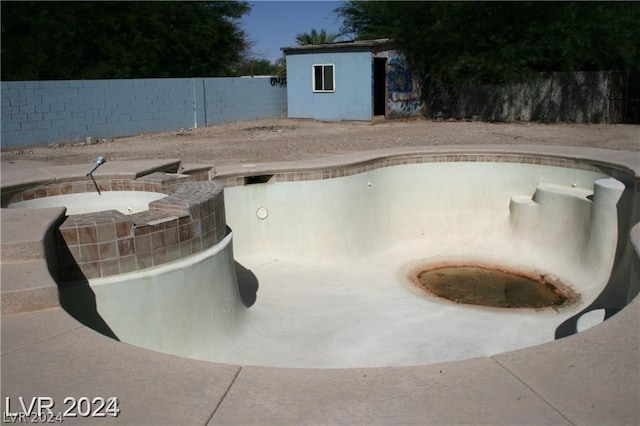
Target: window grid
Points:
(323, 78)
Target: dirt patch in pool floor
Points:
(283, 139)
(493, 287)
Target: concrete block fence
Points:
(44, 112)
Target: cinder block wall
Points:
(236, 99)
(44, 112)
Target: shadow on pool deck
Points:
(247, 284)
(79, 300)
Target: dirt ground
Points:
(295, 139)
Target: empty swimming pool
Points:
(324, 259)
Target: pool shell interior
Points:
(615, 332)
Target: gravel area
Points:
(297, 139)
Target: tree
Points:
(315, 37)
(486, 42)
(305, 39)
(255, 67)
(88, 40)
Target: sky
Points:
(272, 25)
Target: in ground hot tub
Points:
(134, 223)
(126, 202)
(325, 259)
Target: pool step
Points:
(26, 283)
(539, 211)
(546, 191)
(553, 189)
(27, 232)
(27, 286)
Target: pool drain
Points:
(476, 285)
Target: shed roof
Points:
(376, 45)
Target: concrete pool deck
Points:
(589, 378)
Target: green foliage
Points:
(315, 37)
(281, 67)
(484, 42)
(255, 67)
(90, 40)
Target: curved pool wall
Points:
(518, 214)
(183, 308)
(329, 259)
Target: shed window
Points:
(323, 78)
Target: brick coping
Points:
(591, 159)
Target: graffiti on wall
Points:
(404, 94)
(399, 78)
(279, 81)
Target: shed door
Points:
(379, 86)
